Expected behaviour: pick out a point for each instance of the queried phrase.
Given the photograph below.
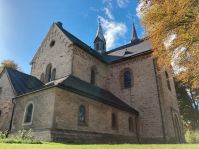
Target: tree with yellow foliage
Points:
(9, 64)
(173, 28)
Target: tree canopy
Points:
(173, 28)
(9, 64)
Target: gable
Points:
(53, 32)
(7, 90)
(56, 50)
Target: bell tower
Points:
(100, 42)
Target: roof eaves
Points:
(129, 109)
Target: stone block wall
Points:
(98, 117)
(82, 64)
(6, 105)
(43, 110)
(170, 108)
(59, 55)
(143, 95)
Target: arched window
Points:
(28, 113)
(42, 77)
(114, 121)
(82, 114)
(131, 127)
(168, 82)
(127, 78)
(93, 75)
(48, 73)
(53, 74)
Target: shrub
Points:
(192, 136)
(195, 137)
(20, 141)
(23, 137)
(3, 134)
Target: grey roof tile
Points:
(84, 88)
(23, 83)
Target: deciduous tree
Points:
(173, 28)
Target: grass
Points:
(119, 146)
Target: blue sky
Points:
(25, 23)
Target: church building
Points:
(79, 94)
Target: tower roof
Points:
(134, 34)
(100, 32)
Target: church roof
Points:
(135, 48)
(23, 83)
(93, 92)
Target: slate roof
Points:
(138, 47)
(93, 92)
(23, 83)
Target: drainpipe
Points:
(159, 100)
(11, 120)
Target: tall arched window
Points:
(28, 113)
(48, 73)
(42, 77)
(53, 74)
(131, 127)
(168, 82)
(127, 78)
(93, 75)
(82, 114)
(114, 121)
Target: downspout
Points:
(163, 127)
(11, 120)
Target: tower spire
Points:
(99, 31)
(134, 33)
(100, 42)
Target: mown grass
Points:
(119, 146)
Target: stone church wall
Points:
(59, 55)
(143, 94)
(6, 95)
(170, 108)
(98, 120)
(82, 64)
(43, 103)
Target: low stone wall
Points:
(81, 137)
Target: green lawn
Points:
(125, 146)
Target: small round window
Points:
(52, 43)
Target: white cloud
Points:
(122, 3)
(138, 9)
(108, 13)
(141, 7)
(113, 30)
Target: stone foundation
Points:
(81, 137)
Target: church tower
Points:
(100, 42)
(134, 36)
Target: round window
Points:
(52, 43)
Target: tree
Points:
(189, 105)
(172, 26)
(9, 64)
